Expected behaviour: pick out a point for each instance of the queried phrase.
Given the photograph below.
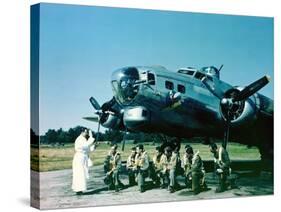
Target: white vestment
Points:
(80, 163)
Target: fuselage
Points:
(155, 99)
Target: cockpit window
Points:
(187, 72)
(199, 75)
(151, 79)
(169, 85)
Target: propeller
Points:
(233, 100)
(98, 111)
(103, 112)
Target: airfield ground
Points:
(56, 175)
(58, 158)
(56, 190)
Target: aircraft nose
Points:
(124, 84)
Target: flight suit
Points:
(142, 165)
(222, 164)
(169, 165)
(156, 169)
(114, 166)
(131, 167)
(186, 164)
(194, 172)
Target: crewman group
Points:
(164, 168)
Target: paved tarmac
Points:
(55, 190)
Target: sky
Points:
(80, 46)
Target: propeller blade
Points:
(226, 135)
(95, 103)
(98, 132)
(226, 131)
(93, 118)
(124, 141)
(213, 88)
(252, 88)
(123, 145)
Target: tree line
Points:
(62, 137)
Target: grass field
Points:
(58, 158)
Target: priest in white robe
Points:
(84, 144)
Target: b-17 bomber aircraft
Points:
(187, 103)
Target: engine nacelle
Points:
(136, 117)
(111, 121)
(241, 112)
